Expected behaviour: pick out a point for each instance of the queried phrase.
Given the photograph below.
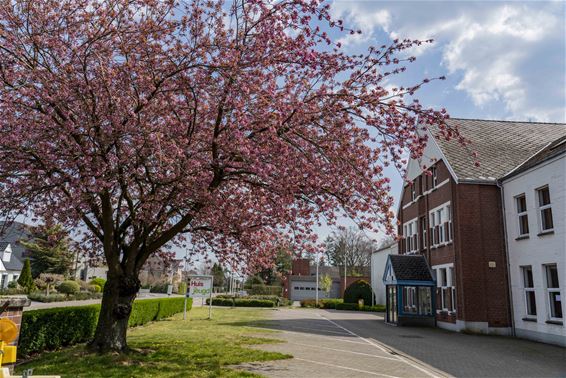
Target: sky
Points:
(502, 60)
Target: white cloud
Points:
(503, 53)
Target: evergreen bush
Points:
(358, 290)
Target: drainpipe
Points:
(500, 186)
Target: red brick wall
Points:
(482, 291)
(301, 267)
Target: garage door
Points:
(303, 290)
(307, 290)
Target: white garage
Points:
(304, 287)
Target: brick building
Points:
(454, 218)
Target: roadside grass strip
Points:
(196, 347)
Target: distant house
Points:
(159, 270)
(453, 216)
(10, 265)
(301, 283)
(378, 262)
(535, 217)
(12, 252)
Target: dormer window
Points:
(7, 253)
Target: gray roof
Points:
(501, 146)
(12, 233)
(410, 268)
(552, 150)
(15, 263)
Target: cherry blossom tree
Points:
(149, 123)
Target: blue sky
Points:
(502, 60)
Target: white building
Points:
(378, 261)
(535, 218)
(10, 265)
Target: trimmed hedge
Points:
(358, 290)
(327, 303)
(237, 302)
(53, 328)
(356, 307)
(265, 290)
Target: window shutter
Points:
(436, 234)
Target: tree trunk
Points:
(119, 293)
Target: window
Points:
(530, 297)
(413, 191)
(410, 231)
(441, 229)
(522, 216)
(409, 299)
(553, 290)
(423, 232)
(434, 177)
(445, 289)
(545, 210)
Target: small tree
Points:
(325, 283)
(218, 276)
(49, 250)
(26, 280)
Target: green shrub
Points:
(69, 287)
(241, 302)
(310, 303)
(26, 280)
(94, 288)
(159, 288)
(42, 297)
(253, 303)
(53, 328)
(347, 306)
(12, 285)
(358, 290)
(55, 297)
(98, 281)
(330, 303)
(265, 290)
(17, 291)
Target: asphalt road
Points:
(354, 344)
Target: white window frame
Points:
(550, 290)
(410, 229)
(443, 286)
(541, 208)
(441, 216)
(528, 289)
(521, 214)
(434, 176)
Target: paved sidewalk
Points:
(355, 344)
(40, 305)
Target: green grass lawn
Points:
(172, 348)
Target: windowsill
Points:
(555, 322)
(546, 232)
(441, 245)
(530, 319)
(522, 237)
